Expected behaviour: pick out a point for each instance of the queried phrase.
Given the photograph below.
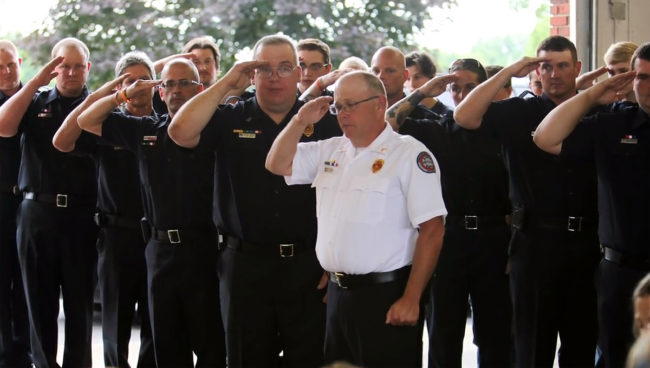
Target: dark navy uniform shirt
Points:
(619, 144)
(250, 202)
(9, 156)
(541, 183)
(176, 182)
(44, 169)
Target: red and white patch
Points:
(426, 163)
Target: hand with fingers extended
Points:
(110, 86)
(47, 73)
(436, 86)
(239, 76)
(137, 87)
(331, 77)
(525, 65)
(160, 64)
(588, 79)
(313, 111)
(612, 89)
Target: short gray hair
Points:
(134, 58)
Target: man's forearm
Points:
(469, 113)
(279, 160)
(396, 114)
(560, 122)
(13, 110)
(425, 257)
(92, 119)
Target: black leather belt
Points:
(522, 220)
(626, 260)
(106, 220)
(474, 222)
(283, 250)
(61, 200)
(177, 236)
(347, 281)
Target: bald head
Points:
(9, 68)
(389, 65)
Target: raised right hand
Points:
(436, 86)
(47, 73)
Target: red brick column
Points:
(560, 18)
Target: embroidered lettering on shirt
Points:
(45, 113)
(242, 133)
(377, 165)
(149, 140)
(629, 139)
(425, 162)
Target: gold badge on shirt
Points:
(309, 130)
(377, 165)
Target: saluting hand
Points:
(141, 85)
(240, 75)
(110, 86)
(588, 79)
(47, 73)
(612, 89)
(331, 77)
(526, 65)
(436, 86)
(313, 111)
(404, 312)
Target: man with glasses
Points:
(14, 330)
(554, 246)
(270, 280)
(380, 224)
(181, 252)
(314, 61)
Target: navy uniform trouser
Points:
(122, 278)
(58, 256)
(472, 264)
(615, 285)
(357, 332)
(14, 327)
(271, 304)
(184, 302)
(552, 285)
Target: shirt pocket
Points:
(325, 184)
(366, 200)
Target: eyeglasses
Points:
(336, 108)
(283, 71)
(183, 83)
(314, 68)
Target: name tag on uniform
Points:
(249, 134)
(45, 113)
(629, 139)
(330, 165)
(149, 140)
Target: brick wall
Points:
(560, 18)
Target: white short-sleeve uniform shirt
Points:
(370, 201)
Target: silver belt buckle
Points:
(62, 200)
(286, 250)
(338, 276)
(471, 222)
(574, 223)
(174, 236)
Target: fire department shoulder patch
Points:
(425, 162)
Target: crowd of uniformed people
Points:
(155, 189)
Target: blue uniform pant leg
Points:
(490, 297)
(358, 317)
(14, 326)
(122, 283)
(450, 292)
(270, 304)
(615, 285)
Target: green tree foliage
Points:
(160, 28)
